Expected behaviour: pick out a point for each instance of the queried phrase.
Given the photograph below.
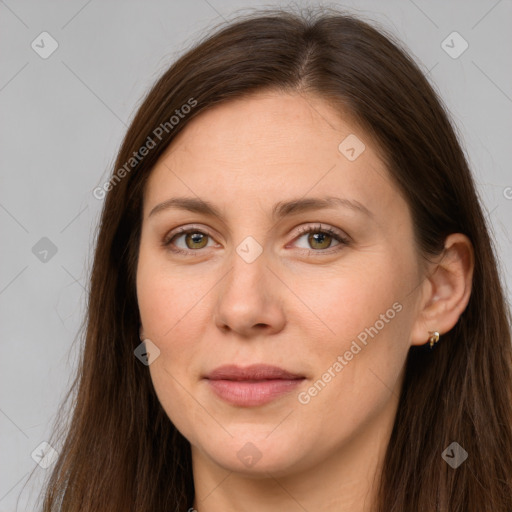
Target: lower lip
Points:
(251, 394)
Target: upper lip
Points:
(252, 372)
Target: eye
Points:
(320, 239)
(187, 240)
(317, 239)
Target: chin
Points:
(255, 456)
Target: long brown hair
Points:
(121, 452)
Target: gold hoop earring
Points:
(434, 338)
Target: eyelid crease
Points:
(341, 236)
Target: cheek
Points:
(167, 299)
(349, 301)
(357, 372)
(366, 318)
(169, 306)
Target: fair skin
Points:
(299, 305)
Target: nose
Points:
(249, 300)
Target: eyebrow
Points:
(280, 209)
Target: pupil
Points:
(196, 239)
(319, 238)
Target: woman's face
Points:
(279, 279)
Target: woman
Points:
(294, 301)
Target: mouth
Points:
(253, 385)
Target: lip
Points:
(251, 386)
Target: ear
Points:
(446, 289)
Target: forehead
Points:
(270, 145)
(271, 121)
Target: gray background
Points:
(63, 119)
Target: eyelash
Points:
(343, 240)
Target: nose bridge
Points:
(247, 259)
(247, 279)
(247, 297)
